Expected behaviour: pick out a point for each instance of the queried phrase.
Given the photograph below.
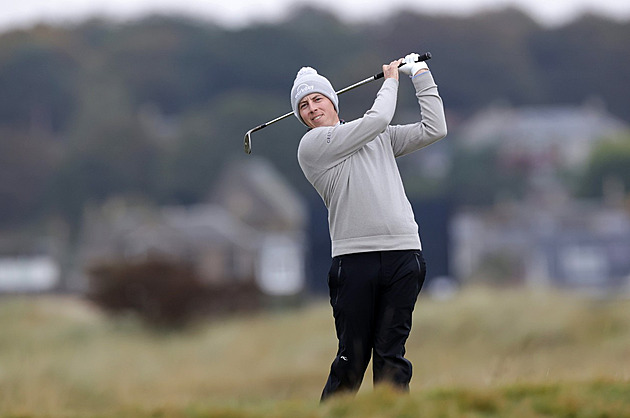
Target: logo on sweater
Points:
(303, 88)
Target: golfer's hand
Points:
(391, 70)
(412, 67)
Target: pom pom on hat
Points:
(308, 81)
(306, 70)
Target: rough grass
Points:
(484, 353)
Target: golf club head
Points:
(248, 142)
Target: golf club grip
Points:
(424, 57)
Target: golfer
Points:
(377, 268)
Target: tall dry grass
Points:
(483, 353)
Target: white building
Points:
(252, 229)
(542, 136)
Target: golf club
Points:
(248, 136)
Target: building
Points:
(582, 245)
(251, 229)
(542, 136)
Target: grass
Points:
(482, 354)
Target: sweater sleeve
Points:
(325, 147)
(432, 125)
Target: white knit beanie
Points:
(308, 81)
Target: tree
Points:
(479, 179)
(26, 163)
(37, 85)
(609, 165)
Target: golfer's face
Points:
(317, 110)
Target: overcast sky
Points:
(237, 13)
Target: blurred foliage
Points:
(157, 106)
(165, 293)
(609, 167)
(26, 163)
(478, 178)
(160, 292)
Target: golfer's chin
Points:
(323, 122)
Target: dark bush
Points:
(165, 293)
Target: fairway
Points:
(482, 353)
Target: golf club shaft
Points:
(248, 147)
(424, 57)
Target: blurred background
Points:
(124, 189)
(121, 137)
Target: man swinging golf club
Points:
(377, 268)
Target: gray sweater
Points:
(353, 168)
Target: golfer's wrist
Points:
(420, 71)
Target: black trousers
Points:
(373, 296)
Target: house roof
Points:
(545, 123)
(563, 135)
(185, 229)
(254, 191)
